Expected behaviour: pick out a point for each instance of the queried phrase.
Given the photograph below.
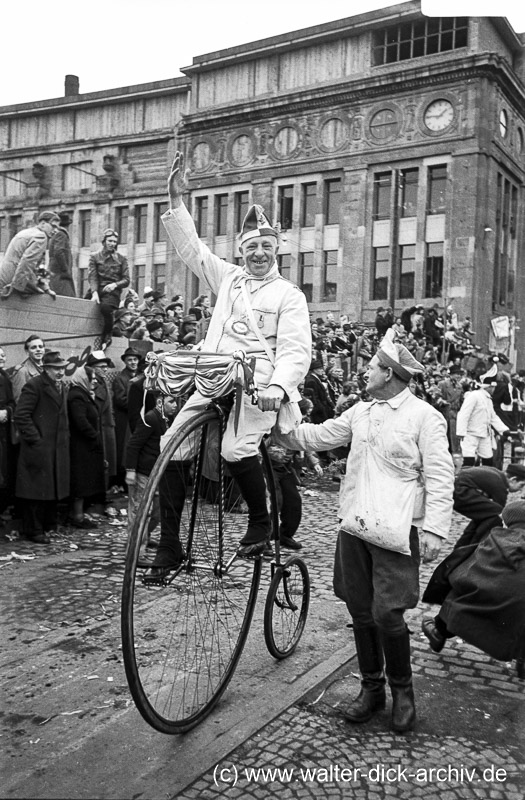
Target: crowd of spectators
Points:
(101, 406)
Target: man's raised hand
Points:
(177, 181)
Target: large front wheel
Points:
(182, 639)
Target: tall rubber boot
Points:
(371, 698)
(172, 495)
(248, 474)
(399, 673)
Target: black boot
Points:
(399, 673)
(172, 495)
(371, 698)
(248, 474)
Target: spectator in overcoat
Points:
(101, 365)
(87, 449)
(61, 259)
(43, 465)
(131, 359)
(7, 450)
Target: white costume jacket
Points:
(279, 308)
(477, 417)
(408, 432)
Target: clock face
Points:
(439, 115)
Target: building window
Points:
(407, 270)
(306, 263)
(11, 183)
(505, 248)
(82, 284)
(382, 195)
(141, 222)
(159, 276)
(332, 198)
(242, 200)
(409, 185)
(381, 272)
(419, 38)
(15, 224)
(201, 216)
(308, 204)
(239, 260)
(437, 189)
(285, 201)
(139, 278)
(160, 230)
(285, 265)
(221, 214)
(84, 218)
(434, 270)
(330, 276)
(4, 238)
(78, 177)
(121, 223)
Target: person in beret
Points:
(483, 595)
(41, 418)
(278, 337)
(399, 467)
(108, 275)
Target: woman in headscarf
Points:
(87, 450)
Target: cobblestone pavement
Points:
(60, 601)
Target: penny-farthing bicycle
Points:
(183, 638)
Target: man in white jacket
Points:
(398, 442)
(280, 312)
(476, 419)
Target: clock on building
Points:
(438, 115)
(384, 124)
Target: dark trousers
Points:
(38, 516)
(106, 309)
(377, 585)
(288, 500)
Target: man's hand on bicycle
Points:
(177, 181)
(270, 399)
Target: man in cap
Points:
(260, 312)
(476, 419)
(404, 438)
(61, 259)
(27, 249)
(108, 275)
(131, 359)
(43, 466)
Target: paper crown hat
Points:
(256, 223)
(396, 356)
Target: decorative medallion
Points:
(242, 149)
(384, 125)
(201, 157)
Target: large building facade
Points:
(389, 146)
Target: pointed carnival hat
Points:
(396, 356)
(256, 223)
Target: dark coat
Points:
(61, 264)
(87, 450)
(120, 406)
(107, 419)
(486, 604)
(42, 421)
(323, 406)
(7, 403)
(143, 447)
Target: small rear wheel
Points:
(286, 607)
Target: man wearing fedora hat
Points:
(108, 275)
(61, 259)
(131, 359)
(98, 360)
(259, 312)
(43, 467)
(398, 468)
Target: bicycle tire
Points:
(181, 642)
(286, 607)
